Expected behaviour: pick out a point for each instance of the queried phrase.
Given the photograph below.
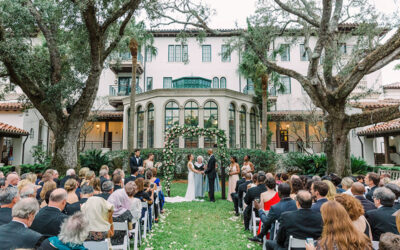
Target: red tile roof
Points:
(8, 130)
(11, 106)
(373, 105)
(395, 85)
(382, 128)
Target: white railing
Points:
(89, 145)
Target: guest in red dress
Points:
(269, 197)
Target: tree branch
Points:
(297, 13)
(371, 117)
(131, 5)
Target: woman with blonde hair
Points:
(331, 191)
(47, 187)
(82, 173)
(356, 212)
(338, 230)
(88, 177)
(70, 186)
(95, 183)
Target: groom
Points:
(210, 172)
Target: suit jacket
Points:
(317, 205)
(70, 209)
(130, 178)
(254, 193)
(370, 193)
(367, 205)
(240, 181)
(64, 180)
(102, 180)
(133, 163)
(301, 224)
(103, 195)
(5, 215)
(210, 172)
(396, 205)
(242, 188)
(48, 221)
(285, 205)
(382, 221)
(15, 235)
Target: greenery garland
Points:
(174, 132)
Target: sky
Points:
(230, 13)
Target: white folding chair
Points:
(96, 245)
(135, 233)
(276, 228)
(255, 221)
(375, 245)
(145, 220)
(296, 243)
(122, 226)
(264, 240)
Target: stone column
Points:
(248, 129)
(201, 125)
(125, 128)
(387, 154)
(278, 134)
(106, 132)
(145, 128)
(181, 123)
(237, 126)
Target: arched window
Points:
(215, 83)
(232, 126)
(172, 117)
(191, 119)
(242, 127)
(140, 123)
(253, 128)
(210, 121)
(150, 126)
(223, 83)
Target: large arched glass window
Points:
(150, 126)
(191, 119)
(242, 127)
(223, 82)
(210, 121)
(215, 83)
(172, 117)
(232, 126)
(253, 128)
(140, 123)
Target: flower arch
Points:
(190, 131)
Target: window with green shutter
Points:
(225, 53)
(206, 53)
(167, 82)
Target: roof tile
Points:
(11, 130)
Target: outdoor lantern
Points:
(98, 126)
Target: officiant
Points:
(199, 178)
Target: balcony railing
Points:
(122, 90)
(89, 145)
(128, 57)
(292, 146)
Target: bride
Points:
(191, 192)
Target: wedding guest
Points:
(149, 162)
(316, 178)
(69, 174)
(211, 173)
(108, 188)
(2, 182)
(133, 175)
(347, 182)
(389, 241)
(360, 179)
(296, 185)
(12, 180)
(253, 182)
(372, 181)
(247, 164)
(95, 183)
(70, 186)
(74, 232)
(234, 171)
(136, 160)
(49, 219)
(47, 187)
(1, 175)
(16, 233)
(251, 195)
(336, 180)
(104, 176)
(8, 198)
(99, 213)
(82, 173)
(338, 230)
(243, 188)
(235, 195)
(355, 212)
(136, 204)
(141, 173)
(284, 177)
(331, 190)
(86, 193)
(160, 193)
(199, 177)
(28, 191)
(117, 180)
(382, 220)
(88, 177)
(278, 178)
(319, 190)
(396, 190)
(269, 197)
(357, 189)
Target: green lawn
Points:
(198, 225)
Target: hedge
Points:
(25, 168)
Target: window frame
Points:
(139, 127)
(288, 90)
(147, 83)
(220, 83)
(164, 82)
(204, 57)
(150, 126)
(215, 83)
(253, 128)
(303, 49)
(223, 58)
(286, 47)
(242, 127)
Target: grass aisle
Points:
(199, 225)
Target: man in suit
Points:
(396, 190)
(358, 190)
(86, 193)
(243, 188)
(133, 176)
(319, 190)
(211, 174)
(108, 188)
(16, 233)
(49, 219)
(301, 224)
(8, 198)
(70, 174)
(268, 220)
(136, 160)
(382, 220)
(372, 181)
(252, 194)
(104, 176)
(235, 195)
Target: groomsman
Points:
(211, 174)
(136, 160)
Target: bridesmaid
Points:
(198, 177)
(248, 165)
(234, 171)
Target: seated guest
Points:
(336, 180)
(347, 182)
(12, 180)
(70, 186)
(360, 179)
(99, 213)
(235, 195)
(268, 220)
(73, 233)
(95, 183)
(357, 189)
(141, 172)
(133, 176)
(270, 197)
(319, 190)
(88, 177)
(331, 190)
(243, 188)
(8, 198)
(251, 195)
(396, 190)
(355, 212)
(117, 180)
(16, 234)
(28, 191)
(301, 224)
(47, 187)
(136, 204)
(338, 230)
(382, 219)
(160, 193)
(296, 185)
(372, 181)
(103, 173)
(108, 188)
(2, 182)
(389, 241)
(82, 173)
(86, 193)
(122, 206)
(49, 219)
(121, 173)
(141, 193)
(69, 174)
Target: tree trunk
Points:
(133, 46)
(337, 148)
(264, 115)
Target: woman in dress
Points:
(248, 165)
(234, 171)
(190, 192)
(70, 186)
(198, 177)
(269, 197)
(149, 162)
(160, 193)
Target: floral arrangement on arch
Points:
(190, 131)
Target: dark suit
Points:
(301, 224)
(268, 221)
(382, 221)
(367, 205)
(252, 193)
(48, 221)
(64, 180)
(5, 215)
(317, 205)
(242, 189)
(15, 235)
(235, 196)
(211, 174)
(396, 205)
(70, 209)
(102, 180)
(133, 162)
(130, 178)
(103, 195)
(370, 193)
